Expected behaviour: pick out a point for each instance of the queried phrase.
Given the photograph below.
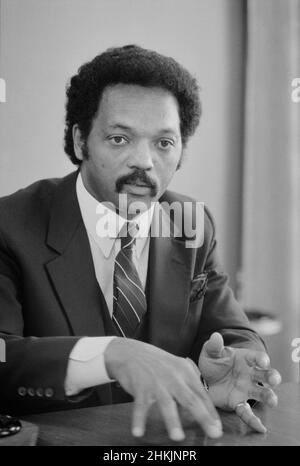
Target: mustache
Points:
(138, 176)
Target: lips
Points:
(137, 189)
(139, 184)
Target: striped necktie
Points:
(129, 298)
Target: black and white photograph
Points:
(149, 226)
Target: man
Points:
(90, 318)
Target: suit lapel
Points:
(72, 271)
(73, 277)
(170, 265)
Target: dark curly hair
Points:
(128, 65)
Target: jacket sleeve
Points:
(221, 312)
(32, 370)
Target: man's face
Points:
(134, 146)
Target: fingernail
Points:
(273, 401)
(215, 430)
(176, 434)
(264, 429)
(275, 379)
(137, 432)
(265, 361)
(218, 424)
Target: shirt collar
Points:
(97, 216)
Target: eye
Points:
(118, 140)
(165, 144)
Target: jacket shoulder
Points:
(28, 203)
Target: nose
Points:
(141, 156)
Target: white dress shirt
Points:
(86, 367)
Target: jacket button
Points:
(118, 385)
(39, 392)
(49, 393)
(31, 391)
(22, 391)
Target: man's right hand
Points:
(151, 375)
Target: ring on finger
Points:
(242, 404)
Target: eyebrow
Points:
(120, 126)
(128, 128)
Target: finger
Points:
(258, 358)
(245, 413)
(270, 377)
(201, 409)
(195, 383)
(214, 346)
(274, 378)
(194, 367)
(169, 411)
(139, 416)
(265, 395)
(211, 426)
(203, 395)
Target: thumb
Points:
(214, 346)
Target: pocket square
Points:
(198, 287)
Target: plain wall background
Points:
(43, 42)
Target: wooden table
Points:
(110, 425)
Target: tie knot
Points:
(127, 235)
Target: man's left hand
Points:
(235, 375)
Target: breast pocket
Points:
(198, 287)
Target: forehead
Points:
(139, 107)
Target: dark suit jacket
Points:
(49, 297)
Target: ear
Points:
(78, 143)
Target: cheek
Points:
(168, 168)
(102, 166)
(99, 157)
